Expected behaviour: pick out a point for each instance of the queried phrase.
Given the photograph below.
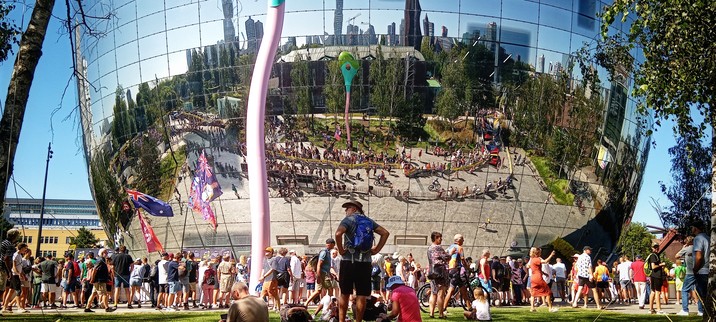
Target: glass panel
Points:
(126, 14)
(584, 19)
(315, 5)
(213, 11)
(177, 3)
(519, 53)
(182, 16)
(383, 5)
(178, 62)
(518, 33)
(145, 8)
(554, 17)
(356, 4)
(491, 8)
(295, 24)
(438, 21)
(151, 24)
(212, 32)
(152, 46)
(183, 38)
(127, 54)
(564, 4)
(552, 61)
(554, 39)
(440, 5)
(248, 8)
(474, 27)
(129, 75)
(126, 33)
(520, 10)
(153, 68)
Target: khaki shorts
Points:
(192, 287)
(99, 288)
(225, 283)
(324, 282)
(271, 287)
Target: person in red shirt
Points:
(638, 278)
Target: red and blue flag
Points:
(204, 189)
(153, 206)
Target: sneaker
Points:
(23, 311)
(129, 306)
(700, 314)
(88, 311)
(554, 309)
(660, 312)
(682, 312)
(110, 309)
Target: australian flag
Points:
(153, 206)
(204, 189)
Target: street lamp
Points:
(42, 207)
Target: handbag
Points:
(437, 272)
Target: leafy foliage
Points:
(85, 239)
(690, 180)
(636, 240)
(9, 31)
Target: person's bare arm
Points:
(383, 233)
(394, 311)
(698, 260)
(339, 239)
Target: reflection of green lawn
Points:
(498, 314)
(558, 187)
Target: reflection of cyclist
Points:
(436, 182)
(457, 270)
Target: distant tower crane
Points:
(353, 20)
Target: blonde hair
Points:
(242, 259)
(535, 251)
(479, 295)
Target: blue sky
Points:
(68, 171)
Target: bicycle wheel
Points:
(424, 297)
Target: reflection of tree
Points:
(148, 172)
(123, 123)
(300, 88)
(386, 76)
(107, 193)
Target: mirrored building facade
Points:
(469, 117)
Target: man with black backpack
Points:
(356, 249)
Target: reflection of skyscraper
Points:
(352, 32)
(254, 34)
(540, 64)
(370, 37)
(426, 25)
(338, 22)
(412, 33)
(229, 30)
(391, 35)
(401, 31)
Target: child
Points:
(480, 307)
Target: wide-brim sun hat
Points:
(356, 204)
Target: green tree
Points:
(300, 88)
(636, 240)
(387, 92)
(690, 174)
(149, 167)
(121, 130)
(676, 79)
(85, 239)
(107, 192)
(9, 31)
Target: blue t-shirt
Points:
(701, 243)
(324, 256)
(349, 222)
(173, 271)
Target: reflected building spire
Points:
(412, 33)
(338, 22)
(229, 30)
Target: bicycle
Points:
(455, 300)
(435, 186)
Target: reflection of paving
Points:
(521, 219)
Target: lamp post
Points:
(42, 207)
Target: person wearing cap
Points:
(585, 274)
(639, 280)
(355, 265)
(323, 272)
(270, 285)
(656, 278)
(99, 279)
(405, 305)
(457, 270)
(625, 276)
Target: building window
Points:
(70, 240)
(27, 239)
(51, 252)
